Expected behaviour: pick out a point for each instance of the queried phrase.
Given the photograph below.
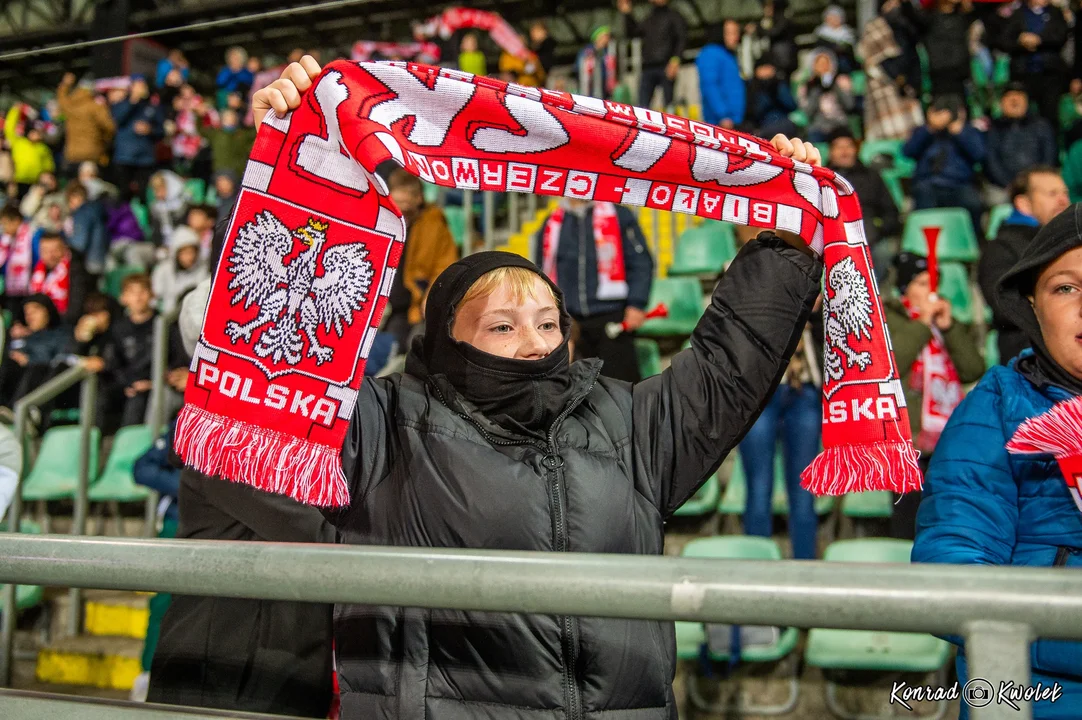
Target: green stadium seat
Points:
(56, 472)
(957, 238)
(871, 504)
(691, 636)
(113, 279)
(867, 649)
(704, 250)
(870, 149)
(212, 198)
(456, 222)
(991, 349)
(703, 502)
(892, 178)
(1001, 73)
(824, 150)
(860, 82)
(954, 287)
(116, 482)
(196, 189)
(431, 192)
(735, 499)
(26, 596)
(683, 296)
(996, 216)
(142, 216)
(649, 357)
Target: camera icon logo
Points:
(978, 693)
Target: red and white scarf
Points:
(16, 256)
(934, 376)
(314, 242)
(611, 274)
(55, 283)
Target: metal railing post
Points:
(997, 652)
(42, 393)
(467, 218)
(158, 362)
(88, 398)
(489, 219)
(7, 634)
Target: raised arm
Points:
(687, 419)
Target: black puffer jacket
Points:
(426, 469)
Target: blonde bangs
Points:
(518, 280)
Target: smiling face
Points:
(1057, 302)
(511, 313)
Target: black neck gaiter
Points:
(518, 395)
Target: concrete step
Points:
(88, 660)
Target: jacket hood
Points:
(1062, 234)
(183, 236)
(809, 65)
(50, 307)
(519, 395)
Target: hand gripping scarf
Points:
(314, 242)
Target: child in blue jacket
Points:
(983, 506)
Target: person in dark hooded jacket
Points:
(769, 102)
(1038, 194)
(493, 439)
(985, 506)
(28, 359)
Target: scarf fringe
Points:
(858, 468)
(217, 445)
(1058, 431)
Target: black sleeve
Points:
(273, 518)
(687, 419)
(679, 33)
(366, 449)
(631, 27)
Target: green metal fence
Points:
(998, 610)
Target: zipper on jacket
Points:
(570, 630)
(553, 463)
(1062, 553)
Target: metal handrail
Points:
(998, 610)
(19, 704)
(88, 399)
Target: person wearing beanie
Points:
(596, 65)
(985, 504)
(827, 97)
(1037, 195)
(936, 356)
(880, 213)
(837, 37)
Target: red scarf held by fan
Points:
(55, 283)
(934, 376)
(611, 274)
(314, 242)
(16, 257)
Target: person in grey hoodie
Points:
(184, 270)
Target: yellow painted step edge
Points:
(116, 620)
(102, 671)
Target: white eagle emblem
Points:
(849, 312)
(292, 300)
